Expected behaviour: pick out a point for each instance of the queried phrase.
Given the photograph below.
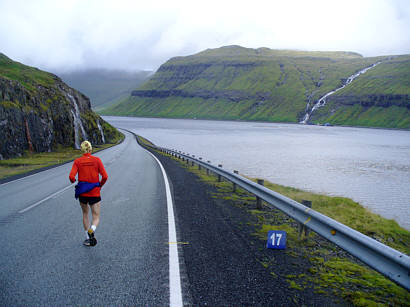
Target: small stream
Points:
(322, 101)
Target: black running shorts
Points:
(89, 200)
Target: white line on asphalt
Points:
(175, 291)
(26, 177)
(47, 198)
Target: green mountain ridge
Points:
(237, 83)
(39, 112)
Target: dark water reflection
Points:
(371, 166)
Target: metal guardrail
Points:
(384, 259)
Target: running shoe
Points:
(93, 240)
(87, 242)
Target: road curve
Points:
(42, 259)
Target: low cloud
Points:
(72, 35)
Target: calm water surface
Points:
(371, 166)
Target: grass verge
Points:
(330, 270)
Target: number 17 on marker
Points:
(276, 239)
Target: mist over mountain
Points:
(105, 86)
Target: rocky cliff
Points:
(39, 112)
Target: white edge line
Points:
(175, 291)
(43, 200)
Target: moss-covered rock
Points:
(38, 112)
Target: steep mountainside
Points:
(105, 87)
(379, 98)
(262, 84)
(38, 112)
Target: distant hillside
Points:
(38, 112)
(274, 85)
(105, 87)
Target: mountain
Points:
(38, 112)
(105, 87)
(237, 83)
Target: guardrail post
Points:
(207, 170)
(302, 227)
(199, 165)
(219, 176)
(258, 200)
(234, 185)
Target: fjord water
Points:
(371, 166)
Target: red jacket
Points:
(89, 168)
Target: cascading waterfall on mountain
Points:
(101, 131)
(77, 123)
(322, 101)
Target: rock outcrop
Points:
(232, 95)
(384, 101)
(38, 117)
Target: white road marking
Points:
(47, 198)
(26, 177)
(175, 291)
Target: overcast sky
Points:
(130, 34)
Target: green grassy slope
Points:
(378, 98)
(29, 77)
(248, 84)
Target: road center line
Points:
(175, 291)
(47, 198)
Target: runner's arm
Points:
(73, 172)
(103, 173)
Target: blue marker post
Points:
(276, 239)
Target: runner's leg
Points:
(86, 221)
(95, 210)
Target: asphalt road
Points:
(135, 263)
(42, 259)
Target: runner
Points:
(88, 188)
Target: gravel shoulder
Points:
(223, 262)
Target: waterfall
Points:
(101, 131)
(76, 136)
(77, 123)
(322, 101)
